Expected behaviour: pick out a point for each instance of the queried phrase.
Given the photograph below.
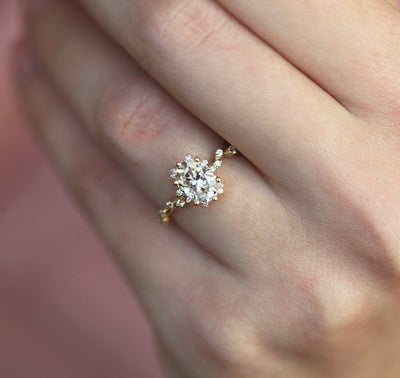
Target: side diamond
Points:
(219, 153)
(180, 203)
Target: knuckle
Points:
(181, 25)
(230, 344)
(224, 336)
(127, 114)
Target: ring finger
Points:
(145, 129)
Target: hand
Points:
(295, 271)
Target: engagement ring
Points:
(196, 182)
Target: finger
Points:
(147, 130)
(226, 76)
(163, 265)
(350, 48)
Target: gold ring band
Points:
(196, 182)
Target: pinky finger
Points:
(160, 262)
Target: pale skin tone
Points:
(295, 271)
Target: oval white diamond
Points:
(197, 181)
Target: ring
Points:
(196, 182)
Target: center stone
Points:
(196, 181)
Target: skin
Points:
(295, 271)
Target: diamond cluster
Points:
(196, 181)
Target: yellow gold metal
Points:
(166, 211)
(197, 159)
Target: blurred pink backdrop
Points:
(65, 312)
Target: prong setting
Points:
(196, 182)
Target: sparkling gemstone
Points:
(219, 153)
(196, 181)
(215, 165)
(232, 150)
(180, 203)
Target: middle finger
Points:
(230, 79)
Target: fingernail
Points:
(24, 59)
(35, 7)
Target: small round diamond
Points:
(219, 153)
(180, 203)
(215, 165)
(196, 181)
(232, 150)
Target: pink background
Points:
(64, 309)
